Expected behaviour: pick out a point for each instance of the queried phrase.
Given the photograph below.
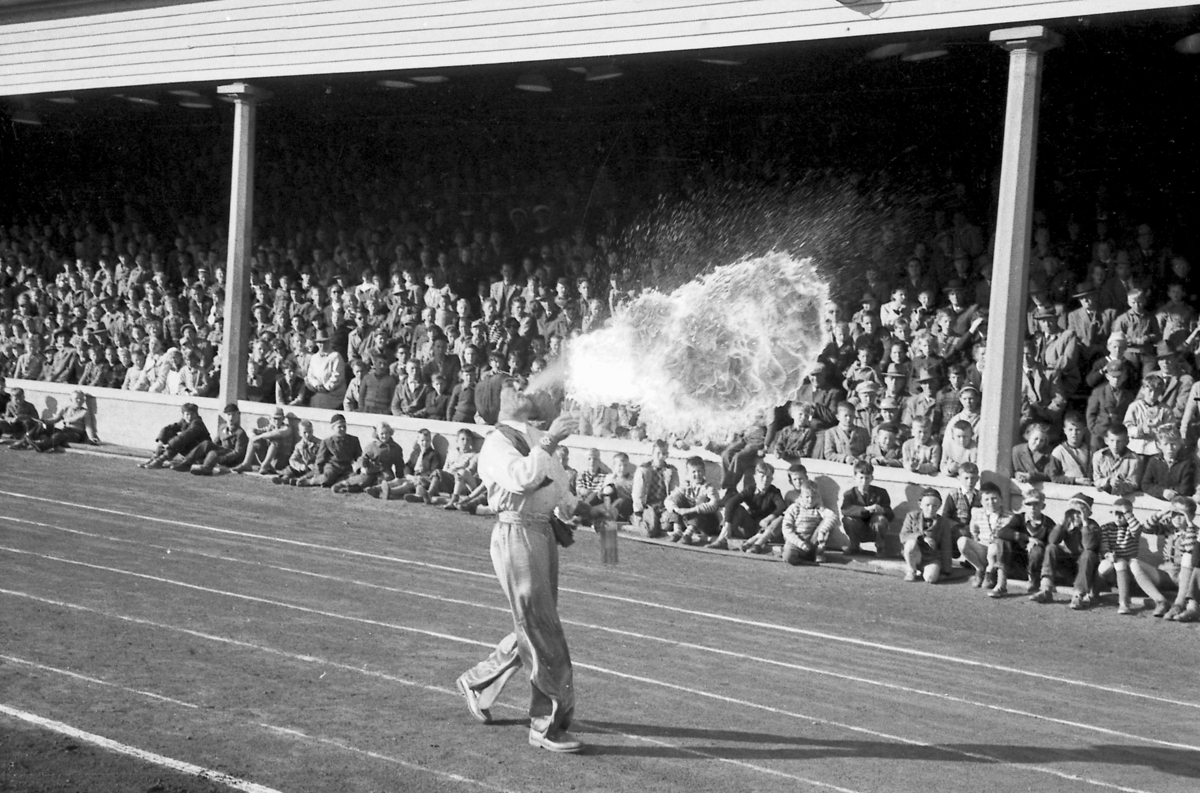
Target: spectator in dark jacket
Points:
(179, 438)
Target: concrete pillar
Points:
(1001, 398)
(241, 222)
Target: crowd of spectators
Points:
(421, 307)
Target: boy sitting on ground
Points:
(419, 472)
(303, 458)
(590, 481)
(691, 510)
(380, 463)
(270, 445)
(866, 511)
(336, 457)
(228, 449)
(806, 526)
(653, 481)
(756, 509)
(174, 439)
(982, 547)
(1120, 542)
(617, 491)
(927, 540)
(1029, 536)
(461, 474)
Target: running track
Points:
(289, 640)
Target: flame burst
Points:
(709, 357)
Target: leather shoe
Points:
(482, 715)
(719, 544)
(564, 743)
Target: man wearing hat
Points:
(924, 402)
(819, 391)
(1090, 324)
(1042, 396)
(1057, 350)
(1039, 299)
(1177, 384)
(325, 378)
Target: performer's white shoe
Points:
(482, 715)
(564, 743)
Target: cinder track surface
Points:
(296, 640)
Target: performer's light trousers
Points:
(525, 557)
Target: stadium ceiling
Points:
(58, 46)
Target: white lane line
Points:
(385, 758)
(976, 756)
(646, 637)
(808, 633)
(312, 659)
(141, 754)
(96, 680)
(250, 598)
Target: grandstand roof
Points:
(71, 45)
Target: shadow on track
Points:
(1179, 762)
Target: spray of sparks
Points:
(711, 355)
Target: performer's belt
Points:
(522, 518)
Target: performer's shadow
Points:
(738, 745)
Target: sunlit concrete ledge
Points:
(133, 418)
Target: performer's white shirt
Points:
(513, 480)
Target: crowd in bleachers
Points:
(421, 307)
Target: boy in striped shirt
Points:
(1183, 550)
(1120, 542)
(806, 527)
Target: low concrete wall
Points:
(133, 419)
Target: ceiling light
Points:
(27, 117)
(721, 61)
(887, 51)
(395, 84)
(923, 52)
(143, 100)
(607, 72)
(196, 103)
(62, 100)
(183, 92)
(577, 69)
(537, 83)
(431, 79)
(1189, 45)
